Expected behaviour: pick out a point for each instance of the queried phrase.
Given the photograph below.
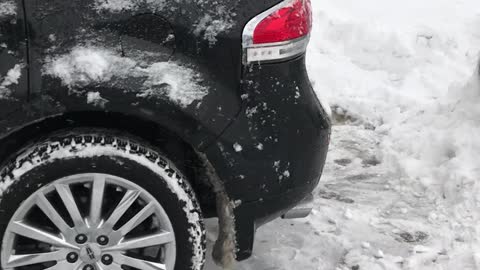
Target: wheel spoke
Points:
(98, 189)
(39, 235)
(141, 216)
(29, 259)
(128, 199)
(72, 208)
(65, 265)
(139, 264)
(143, 242)
(101, 266)
(52, 214)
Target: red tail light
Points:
(287, 23)
(279, 33)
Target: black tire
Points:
(73, 153)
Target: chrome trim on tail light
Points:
(276, 51)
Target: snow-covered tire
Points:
(75, 153)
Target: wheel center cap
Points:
(90, 253)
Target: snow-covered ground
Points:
(401, 187)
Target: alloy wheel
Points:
(89, 222)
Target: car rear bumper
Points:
(271, 157)
(301, 210)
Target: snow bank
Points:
(402, 70)
(10, 79)
(85, 66)
(435, 152)
(378, 58)
(398, 67)
(7, 8)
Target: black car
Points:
(125, 123)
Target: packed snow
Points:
(96, 99)
(87, 66)
(7, 8)
(12, 77)
(400, 188)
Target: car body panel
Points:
(272, 156)
(58, 28)
(281, 132)
(13, 59)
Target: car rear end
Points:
(250, 110)
(272, 155)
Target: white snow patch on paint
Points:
(178, 83)
(126, 5)
(276, 165)
(85, 66)
(213, 24)
(115, 5)
(12, 77)
(96, 99)
(237, 147)
(7, 8)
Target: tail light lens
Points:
(279, 33)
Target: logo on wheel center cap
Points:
(90, 253)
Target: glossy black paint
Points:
(269, 110)
(13, 51)
(284, 134)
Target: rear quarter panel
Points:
(176, 63)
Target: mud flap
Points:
(245, 233)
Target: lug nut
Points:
(81, 239)
(107, 259)
(102, 240)
(72, 257)
(88, 267)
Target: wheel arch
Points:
(183, 154)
